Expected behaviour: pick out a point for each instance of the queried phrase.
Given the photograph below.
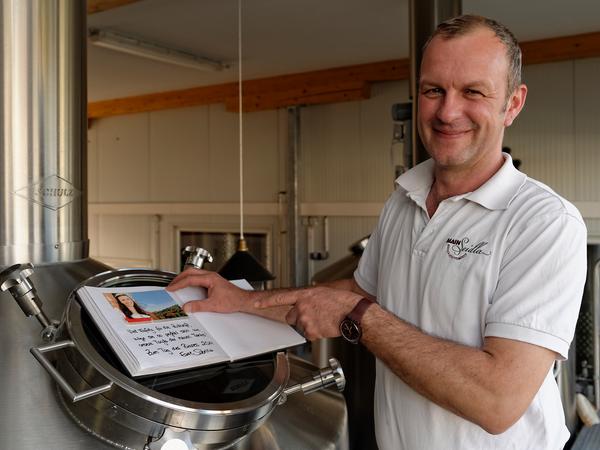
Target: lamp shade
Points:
(242, 265)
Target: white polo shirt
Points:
(507, 260)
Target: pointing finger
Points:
(270, 302)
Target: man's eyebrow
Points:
(479, 85)
(425, 82)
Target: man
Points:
(477, 270)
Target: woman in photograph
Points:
(132, 311)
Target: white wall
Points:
(152, 173)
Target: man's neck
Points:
(449, 182)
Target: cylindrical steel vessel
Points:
(43, 221)
(43, 131)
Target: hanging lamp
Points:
(242, 264)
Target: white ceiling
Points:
(290, 36)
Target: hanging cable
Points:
(240, 114)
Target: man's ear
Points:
(515, 104)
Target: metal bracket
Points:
(325, 377)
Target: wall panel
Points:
(123, 159)
(542, 136)
(179, 155)
(261, 156)
(330, 152)
(223, 159)
(587, 129)
(345, 152)
(127, 239)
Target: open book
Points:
(150, 333)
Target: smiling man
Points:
(476, 269)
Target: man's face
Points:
(463, 108)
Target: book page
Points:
(149, 331)
(173, 344)
(242, 335)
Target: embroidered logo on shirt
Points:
(459, 248)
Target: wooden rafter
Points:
(324, 86)
(561, 48)
(95, 6)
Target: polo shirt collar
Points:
(417, 182)
(496, 193)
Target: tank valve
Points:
(196, 257)
(325, 377)
(15, 279)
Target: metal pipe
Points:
(424, 15)
(43, 217)
(296, 268)
(325, 377)
(596, 332)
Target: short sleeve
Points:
(540, 283)
(366, 275)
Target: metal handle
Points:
(322, 379)
(38, 353)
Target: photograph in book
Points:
(145, 306)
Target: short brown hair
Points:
(461, 25)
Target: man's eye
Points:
(433, 92)
(474, 93)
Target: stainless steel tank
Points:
(43, 221)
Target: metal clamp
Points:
(15, 279)
(325, 377)
(196, 257)
(38, 353)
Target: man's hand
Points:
(316, 311)
(223, 296)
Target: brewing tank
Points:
(43, 221)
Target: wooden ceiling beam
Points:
(305, 95)
(204, 95)
(96, 6)
(561, 48)
(324, 86)
(273, 90)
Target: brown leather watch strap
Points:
(359, 310)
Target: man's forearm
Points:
(347, 284)
(470, 382)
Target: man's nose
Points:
(450, 108)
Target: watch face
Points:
(350, 330)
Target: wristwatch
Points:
(350, 328)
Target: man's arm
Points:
(347, 284)
(491, 386)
